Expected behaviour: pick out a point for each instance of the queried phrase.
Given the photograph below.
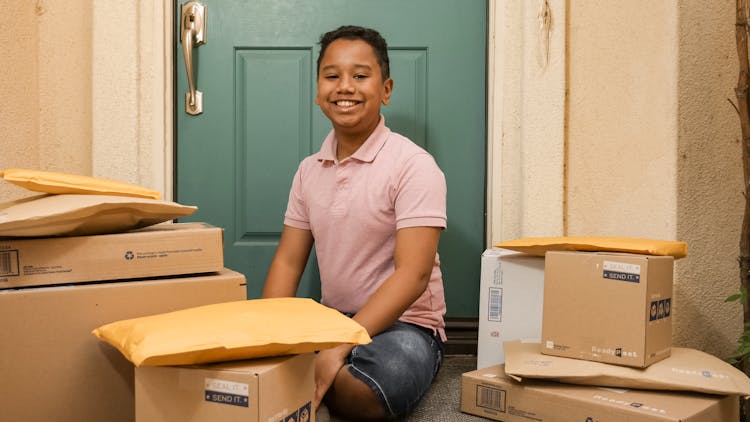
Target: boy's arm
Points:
(414, 257)
(288, 263)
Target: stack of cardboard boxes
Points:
(54, 291)
(609, 307)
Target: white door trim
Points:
(526, 121)
(132, 136)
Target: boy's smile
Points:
(351, 89)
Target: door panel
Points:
(265, 169)
(257, 74)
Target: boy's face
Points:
(351, 87)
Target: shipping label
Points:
(622, 271)
(227, 392)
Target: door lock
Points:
(192, 34)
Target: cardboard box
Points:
(489, 393)
(510, 302)
(273, 389)
(155, 251)
(608, 307)
(684, 370)
(53, 369)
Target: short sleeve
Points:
(421, 194)
(297, 215)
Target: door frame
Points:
(526, 109)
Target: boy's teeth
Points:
(345, 103)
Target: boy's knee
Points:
(353, 399)
(409, 362)
(396, 369)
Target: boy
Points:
(373, 203)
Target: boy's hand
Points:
(328, 363)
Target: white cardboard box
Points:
(511, 295)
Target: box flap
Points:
(685, 370)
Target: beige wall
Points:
(709, 177)
(526, 114)
(652, 145)
(19, 84)
(48, 83)
(622, 119)
(645, 144)
(89, 97)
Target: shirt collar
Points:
(366, 153)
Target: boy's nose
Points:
(345, 85)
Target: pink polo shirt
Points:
(353, 208)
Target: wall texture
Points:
(48, 82)
(526, 115)
(88, 96)
(709, 177)
(645, 145)
(622, 119)
(653, 146)
(132, 93)
(19, 84)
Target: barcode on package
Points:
(495, 309)
(9, 263)
(491, 398)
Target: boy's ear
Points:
(387, 88)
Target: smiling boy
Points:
(373, 204)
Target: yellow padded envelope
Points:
(62, 183)
(78, 215)
(540, 245)
(232, 331)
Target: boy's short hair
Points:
(370, 36)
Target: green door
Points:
(257, 73)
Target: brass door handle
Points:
(192, 34)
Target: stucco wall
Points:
(652, 145)
(526, 102)
(88, 96)
(46, 87)
(709, 177)
(19, 84)
(622, 125)
(132, 93)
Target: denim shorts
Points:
(399, 365)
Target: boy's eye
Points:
(360, 76)
(331, 76)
